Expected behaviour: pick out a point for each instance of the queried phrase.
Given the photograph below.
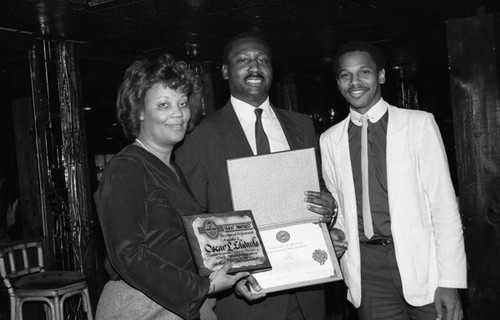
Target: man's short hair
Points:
(240, 36)
(363, 46)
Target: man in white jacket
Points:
(409, 260)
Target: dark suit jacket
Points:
(202, 158)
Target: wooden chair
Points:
(23, 273)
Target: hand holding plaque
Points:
(216, 238)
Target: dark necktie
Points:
(260, 135)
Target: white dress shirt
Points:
(272, 127)
(374, 114)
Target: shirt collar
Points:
(247, 111)
(374, 114)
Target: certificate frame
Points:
(316, 263)
(273, 187)
(232, 236)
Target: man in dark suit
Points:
(230, 133)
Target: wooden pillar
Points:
(473, 61)
(74, 158)
(29, 213)
(60, 150)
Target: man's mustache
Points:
(353, 88)
(255, 75)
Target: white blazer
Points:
(425, 221)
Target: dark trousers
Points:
(293, 311)
(381, 288)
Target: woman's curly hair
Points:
(143, 74)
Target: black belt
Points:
(379, 242)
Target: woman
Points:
(142, 195)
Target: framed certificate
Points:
(229, 236)
(301, 255)
(299, 247)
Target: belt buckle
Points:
(386, 242)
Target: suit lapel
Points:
(396, 144)
(293, 133)
(233, 137)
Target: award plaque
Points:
(229, 236)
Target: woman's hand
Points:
(220, 280)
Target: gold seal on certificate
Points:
(229, 236)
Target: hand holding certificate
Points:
(298, 244)
(339, 241)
